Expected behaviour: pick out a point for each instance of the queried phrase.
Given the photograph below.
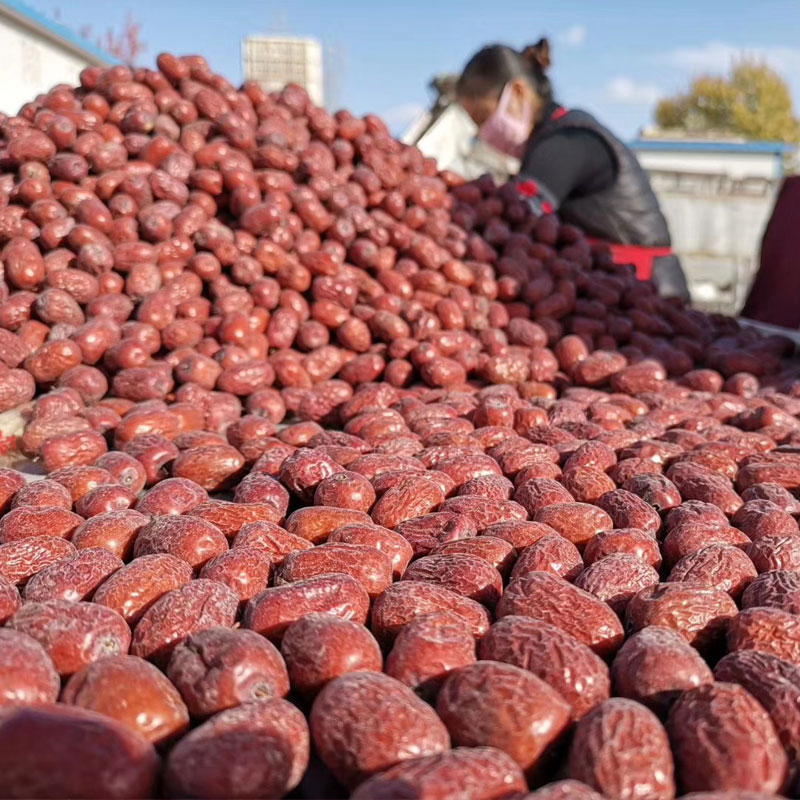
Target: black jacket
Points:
(601, 186)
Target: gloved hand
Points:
(537, 196)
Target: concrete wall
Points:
(32, 64)
(716, 226)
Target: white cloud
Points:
(627, 91)
(399, 117)
(719, 56)
(574, 36)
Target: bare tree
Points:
(126, 44)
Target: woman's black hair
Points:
(493, 66)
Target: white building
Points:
(39, 53)
(274, 61)
(717, 197)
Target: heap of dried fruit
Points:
(346, 455)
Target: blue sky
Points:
(612, 58)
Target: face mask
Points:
(504, 131)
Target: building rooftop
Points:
(723, 146)
(55, 32)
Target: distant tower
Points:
(274, 61)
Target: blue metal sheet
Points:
(776, 148)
